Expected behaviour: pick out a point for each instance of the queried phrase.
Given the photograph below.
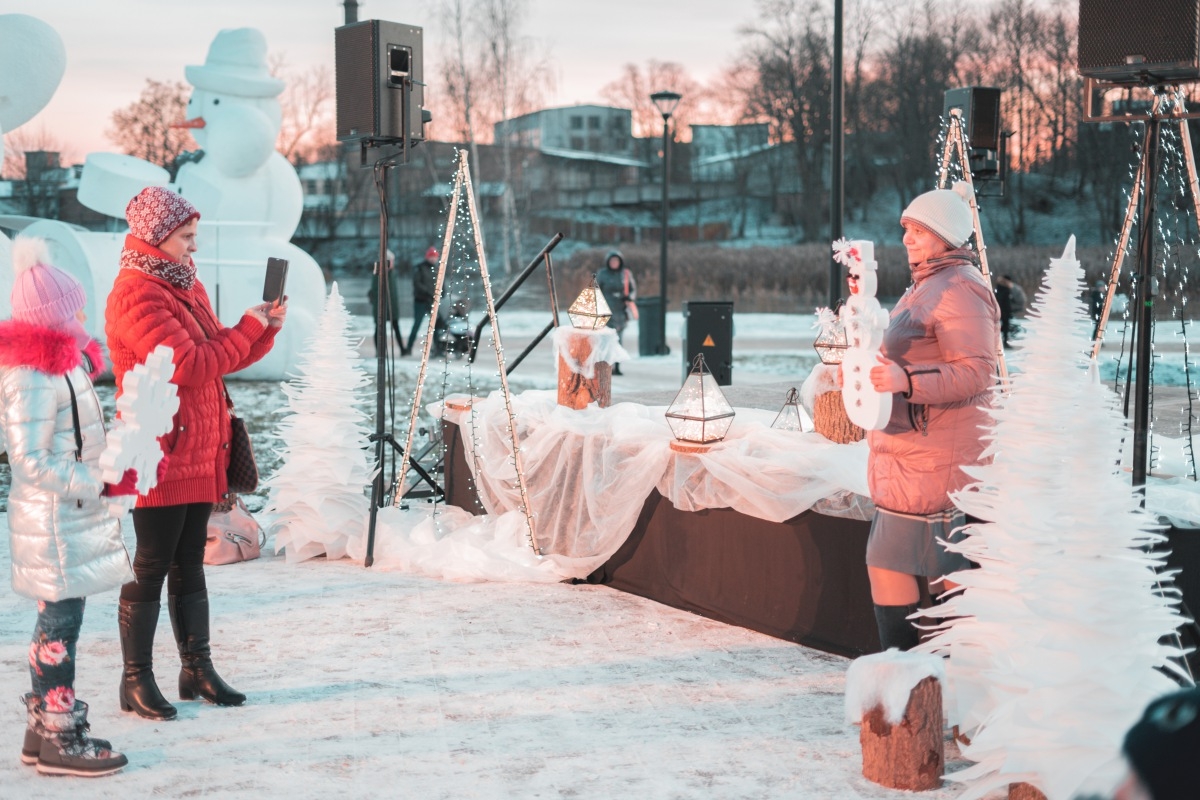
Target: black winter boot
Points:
(139, 691)
(32, 746)
(197, 677)
(68, 750)
(895, 630)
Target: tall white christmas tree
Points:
(316, 504)
(1056, 647)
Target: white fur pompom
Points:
(963, 190)
(28, 251)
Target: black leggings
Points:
(170, 545)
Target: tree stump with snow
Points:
(830, 420)
(910, 755)
(1024, 791)
(576, 390)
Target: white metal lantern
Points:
(590, 310)
(792, 417)
(700, 414)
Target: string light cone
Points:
(792, 417)
(699, 415)
(590, 310)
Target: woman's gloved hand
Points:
(127, 486)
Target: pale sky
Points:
(113, 46)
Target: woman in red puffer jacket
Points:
(157, 299)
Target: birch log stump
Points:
(1024, 791)
(910, 755)
(830, 420)
(576, 390)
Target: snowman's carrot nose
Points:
(198, 122)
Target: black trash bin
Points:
(708, 329)
(652, 339)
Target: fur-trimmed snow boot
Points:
(68, 750)
(32, 746)
(139, 691)
(197, 676)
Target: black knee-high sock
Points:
(894, 629)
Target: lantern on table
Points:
(830, 343)
(699, 414)
(792, 417)
(586, 351)
(590, 310)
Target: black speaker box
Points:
(377, 64)
(1122, 41)
(708, 329)
(980, 114)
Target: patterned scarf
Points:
(149, 259)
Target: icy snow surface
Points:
(380, 684)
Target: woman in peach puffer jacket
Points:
(939, 358)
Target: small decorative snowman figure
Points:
(865, 321)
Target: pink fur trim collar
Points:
(48, 350)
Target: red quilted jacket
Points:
(145, 311)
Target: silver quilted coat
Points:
(64, 542)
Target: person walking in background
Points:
(63, 542)
(391, 309)
(157, 299)
(620, 292)
(1004, 303)
(939, 362)
(424, 284)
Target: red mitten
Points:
(162, 470)
(128, 485)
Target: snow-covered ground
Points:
(381, 684)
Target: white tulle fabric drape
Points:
(588, 474)
(604, 346)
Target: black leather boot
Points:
(139, 692)
(895, 629)
(197, 677)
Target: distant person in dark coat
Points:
(620, 292)
(391, 311)
(1004, 300)
(424, 283)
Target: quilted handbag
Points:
(242, 474)
(233, 536)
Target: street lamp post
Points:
(665, 102)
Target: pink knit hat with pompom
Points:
(156, 213)
(42, 293)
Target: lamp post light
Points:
(666, 103)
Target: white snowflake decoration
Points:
(146, 411)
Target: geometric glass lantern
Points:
(792, 417)
(830, 343)
(590, 310)
(699, 414)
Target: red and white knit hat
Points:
(42, 293)
(156, 213)
(944, 213)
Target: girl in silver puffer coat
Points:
(63, 542)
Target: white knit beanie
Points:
(945, 213)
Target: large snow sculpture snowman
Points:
(865, 322)
(32, 62)
(249, 197)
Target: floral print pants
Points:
(52, 652)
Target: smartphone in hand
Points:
(276, 280)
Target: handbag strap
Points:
(75, 420)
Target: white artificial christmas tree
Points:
(316, 505)
(1056, 647)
